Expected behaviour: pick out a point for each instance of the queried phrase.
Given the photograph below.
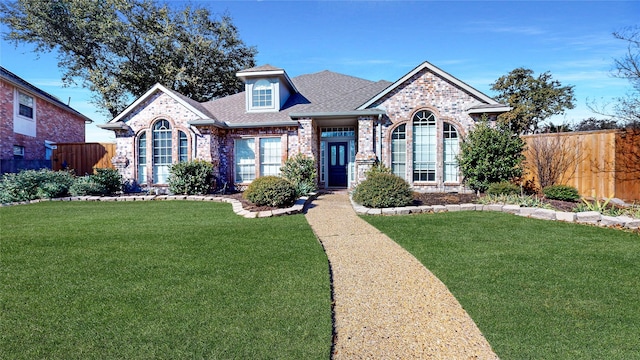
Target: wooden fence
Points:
(83, 157)
(602, 163)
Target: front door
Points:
(338, 160)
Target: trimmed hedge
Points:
(382, 190)
(191, 177)
(503, 188)
(271, 191)
(561, 192)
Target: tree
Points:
(553, 158)
(592, 123)
(489, 155)
(120, 48)
(628, 67)
(532, 99)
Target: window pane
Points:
(161, 151)
(245, 160)
(323, 147)
(450, 151)
(341, 155)
(142, 159)
(183, 149)
(424, 146)
(262, 95)
(399, 151)
(270, 156)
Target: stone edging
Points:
(297, 208)
(587, 217)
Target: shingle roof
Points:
(324, 91)
(20, 82)
(265, 67)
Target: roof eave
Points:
(497, 109)
(268, 73)
(337, 114)
(114, 126)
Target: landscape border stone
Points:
(585, 217)
(297, 208)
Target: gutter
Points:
(337, 114)
(114, 126)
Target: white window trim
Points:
(256, 156)
(275, 97)
(22, 124)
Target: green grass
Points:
(172, 279)
(537, 289)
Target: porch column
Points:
(366, 156)
(307, 138)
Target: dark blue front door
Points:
(338, 161)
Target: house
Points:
(31, 122)
(345, 123)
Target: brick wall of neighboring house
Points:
(426, 91)
(53, 124)
(6, 120)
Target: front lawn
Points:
(537, 289)
(166, 279)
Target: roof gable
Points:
(439, 72)
(190, 104)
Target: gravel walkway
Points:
(386, 304)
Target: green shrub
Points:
(378, 168)
(191, 177)
(503, 188)
(34, 184)
(381, 190)
(56, 184)
(87, 185)
(301, 172)
(490, 154)
(271, 191)
(109, 178)
(561, 192)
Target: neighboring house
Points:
(413, 126)
(31, 122)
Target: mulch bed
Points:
(428, 199)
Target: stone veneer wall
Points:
(426, 91)
(53, 123)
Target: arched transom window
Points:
(431, 157)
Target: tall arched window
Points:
(142, 158)
(449, 152)
(161, 151)
(424, 146)
(399, 151)
(183, 147)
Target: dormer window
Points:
(262, 95)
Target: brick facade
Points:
(53, 123)
(212, 135)
(426, 91)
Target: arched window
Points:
(399, 151)
(183, 147)
(449, 152)
(431, 157)
(262, 95)
(424, 146)
(161, 151)
(142, 158)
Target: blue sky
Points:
(475, 41)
